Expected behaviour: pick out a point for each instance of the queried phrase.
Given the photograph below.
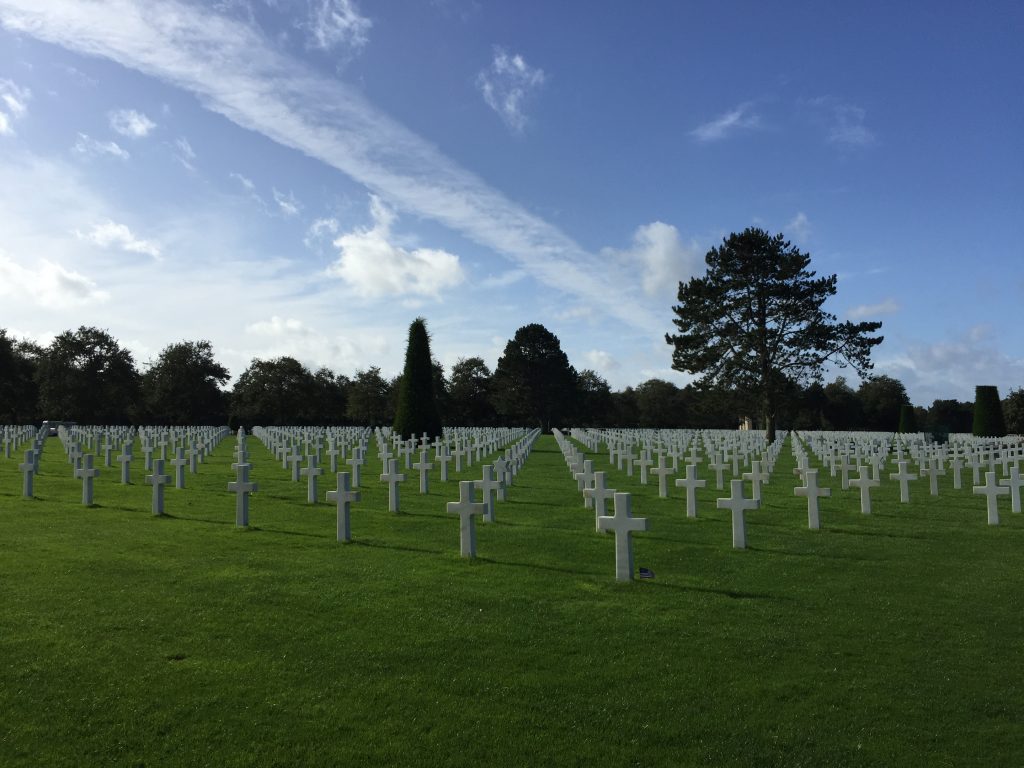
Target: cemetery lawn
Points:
(129, 640)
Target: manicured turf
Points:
(128, 640)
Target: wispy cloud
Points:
(506, 86)
(130, 123)
(844, 122)
(503, 280)
(234, 71)
(86, 145)
(319, 229)
(288, 205)
(14, 103)
(110, 234)
(184, 153)
(338, 24)
(865, 311)
(800, 226)
(734, 120)
(372, 265)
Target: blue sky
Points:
(305, 177)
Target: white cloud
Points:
(287, 203)
(662, 258)
(600, 361)
(233, 70)
(47, 283)
(373, 266)
(800, 226)
(278, 326)
(109, 234)
(953, 367)
(130, 123)
(735, 119)
(338, 23)
(868, 311)
(507, 84)
(86, 145)
(14, 101)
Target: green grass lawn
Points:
(893, 639)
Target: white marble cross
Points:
(932, 471)
(311, 472)
(444, 458)
(344, 497)
(691, 484)
(738, 504)
(585, 480)
(178, 462)
(87, 474)
(756, 477)
(28, 470)
(904, 476)
(392, 477)
(423, 467)
(466, 509)
(991, 490)
(813, 492)
(488, 485)
(1014, 483)
(623, 524)
(864, 483)
(644, 462)
(158, 480)
(719, 467)
(663, 473)
(241, 486)
(599, 494)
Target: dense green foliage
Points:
(370, 399)
(184, 385)
(1013, 411)
(417, 412)
(533, 383)
(128, 640)
(988, 412)
(469, 391)
(18, 388)
(755, 321)
(283, 391)
(86, 376)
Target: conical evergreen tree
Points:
(988, 412)
(417, 407)
(908, 419)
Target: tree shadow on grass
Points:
(734, 594)
(538, 567)
(396, 547)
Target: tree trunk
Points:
(769, 417)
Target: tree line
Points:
(86, 375)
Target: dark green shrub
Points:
(988, 412)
